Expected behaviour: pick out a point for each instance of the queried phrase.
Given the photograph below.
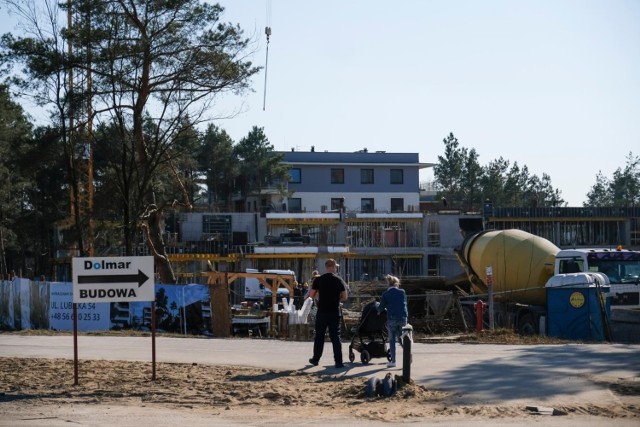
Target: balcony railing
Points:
(566, 212)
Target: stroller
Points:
(370, 336)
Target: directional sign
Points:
(113, 279)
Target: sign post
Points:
(112, 279)
(75, 344)
(489, 271)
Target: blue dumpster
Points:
(578, 307)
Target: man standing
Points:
(329, 289)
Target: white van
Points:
(283, 292)
(253, 289)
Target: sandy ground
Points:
(41, 392)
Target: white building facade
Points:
(361, 181)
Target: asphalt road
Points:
(477, 373)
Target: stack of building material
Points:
(299, 328)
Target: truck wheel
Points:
(527, 325)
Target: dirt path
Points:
(40, 392)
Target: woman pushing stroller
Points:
(394, 300)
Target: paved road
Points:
(477, 373)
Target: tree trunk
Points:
(157, 242)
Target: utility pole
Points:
(89, 136)
(81, 201)
(72, 195)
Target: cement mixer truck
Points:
(517, 266)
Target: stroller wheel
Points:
(365, 357)
(352, 356)
(389, 355)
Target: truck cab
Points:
(622, 267)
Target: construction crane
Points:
(267, 32)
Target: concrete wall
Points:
(249, 222)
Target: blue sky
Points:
(551, 84)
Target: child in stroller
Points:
(370, 336)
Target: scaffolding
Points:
(573, 227)
(380, 233)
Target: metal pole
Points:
(407, 339)
(75, 343)
(489, 271)
(491, 321)
(153, 340)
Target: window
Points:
(366, 176)
(336, 203)
(573, 265)
(635, 231)
(295, 204)
(397, 176)
(217, 225)
(366, 205)
(397, 204)
(433, 265)
(337, 176)
(433, 233)
(295, 175)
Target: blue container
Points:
(575, 310)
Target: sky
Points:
(550, 84)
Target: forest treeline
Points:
(464, 183)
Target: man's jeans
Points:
(324, 321)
